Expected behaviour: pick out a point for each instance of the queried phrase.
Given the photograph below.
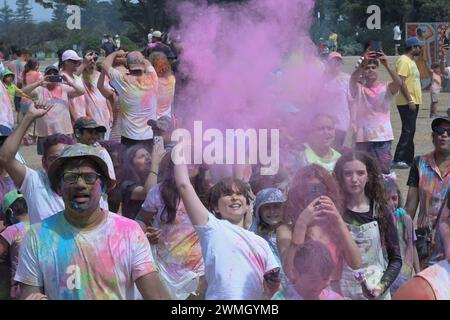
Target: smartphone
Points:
(55, 78)
(159, 141)
(314, 191)
(272, 275)
(376, 46)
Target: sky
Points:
(39, 13)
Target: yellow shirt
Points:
(407, 68)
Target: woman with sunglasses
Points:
(429, 181)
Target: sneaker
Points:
(400, 165)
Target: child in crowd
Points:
(370, 221)
(436, 85)
(235, 259)
(313, 267)
(268, 216)
(175, 243)
(15, 210)
(8, 81)
(406, 235)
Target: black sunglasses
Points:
(440, 131)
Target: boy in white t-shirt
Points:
(235, 259)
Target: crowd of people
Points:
(112, 215)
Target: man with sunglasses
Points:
(408, 102)
(85, 252)
(429, 177)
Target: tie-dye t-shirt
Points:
(14, 235)
(6, 109)
(235, 260)
(70, 264)
(433, 186)
(179, 246)
(166, 92)
(57, 120)
(138, 103)
(96, 102)
(373, 113)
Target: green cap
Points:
(9, 199)
(7, 72)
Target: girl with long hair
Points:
(140, 173)
(313, 212)
(164, 218)
(370, 220)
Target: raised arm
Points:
(15, 169)
(397, 82)
(109, 60)
(78, 88)
(30, 88)
(106, 92)
(194, 206)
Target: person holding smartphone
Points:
(54, 89)
(371, 101)
(313, 212)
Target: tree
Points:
(59, 14)
(23, 11)
(6, 16)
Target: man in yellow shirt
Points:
(408, 102)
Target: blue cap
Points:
(413, 41)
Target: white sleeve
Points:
(9, 234)
(212, 225)
(29, 182)
(28, 270)
(271, 262)
(141, 256)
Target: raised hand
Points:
(39, 108)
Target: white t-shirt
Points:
(397, 33)
(42, 201)
(70, 264)
(235, 260)
(138, 104)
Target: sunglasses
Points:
(440, 131)
(88, 177)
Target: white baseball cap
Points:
(70, 55)
(157, 34)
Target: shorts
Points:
(434, 97)
(397, 43)
(127, 142)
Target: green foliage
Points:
(23, 11)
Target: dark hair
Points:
(168, 189)
(224, 187)
(128, 170)
(435, 65)
(116, 151)
(259, 182)
(297, 196)
(313, 257)
(201, 185)
(53, 140)
(29, 66)
(18, 208)
(374, 189)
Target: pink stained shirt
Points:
(373, 117)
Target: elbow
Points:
(355, 262)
